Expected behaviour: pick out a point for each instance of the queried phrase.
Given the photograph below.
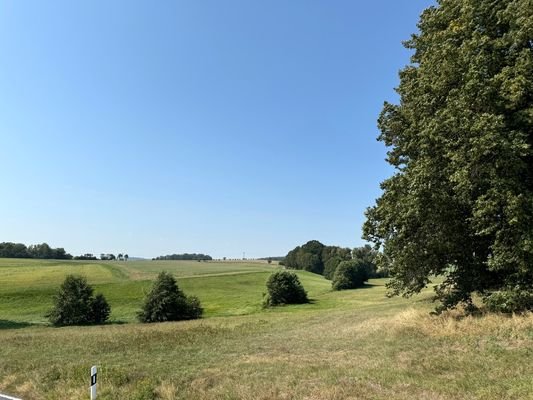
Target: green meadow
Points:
(355, 344)
(27, 286)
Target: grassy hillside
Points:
(354, 344)
(27, 286)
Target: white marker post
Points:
(93, 383)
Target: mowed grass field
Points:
(27, 286)
(355, 344)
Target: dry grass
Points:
(457, 324)
(321, 356)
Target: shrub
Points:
(166, 302)
(330, 267)
(194, 308)
(508, 301)
(75, 304)
(350, 275)
(284, 288)
(100, 309)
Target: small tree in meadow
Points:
(284, 288)
(166, 302)
(75, 304)
(350, 275)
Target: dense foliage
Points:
(350, 275)
(284, 287)
(508, 301)
(185, 256)
(75, 304)
(44, 251)
(86, 256)
(330, 266)
(461, 201)
(313, 256)
(166, 302)
(277, 258)
(368, 256)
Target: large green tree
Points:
(461, 201)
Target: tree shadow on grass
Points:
(367, 286)
(107, 323)
(6, 324)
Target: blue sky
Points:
(208, 126)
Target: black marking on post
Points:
(93, 380)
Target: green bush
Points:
(166, 302)
(284, 288)
(509, 301)
(100, 309)
(350, 275)
(75, 304)
(330, 267)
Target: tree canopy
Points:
(43, 251)
(284, 287)
(185, 256)
(75, 304)
(313, 256)
(461, 201)
(167, 302)
(349, 275)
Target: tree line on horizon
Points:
(45, 252)
(185, 256)
(39, 251)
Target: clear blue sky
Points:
(195, 126)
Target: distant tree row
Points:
(345, 267)
(86, 256)
(42, 251)
(272, 258)
(185, 256)
(112, 257)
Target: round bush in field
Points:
(166, 302)
(349, 275)
(75, 304)
(284, 288)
